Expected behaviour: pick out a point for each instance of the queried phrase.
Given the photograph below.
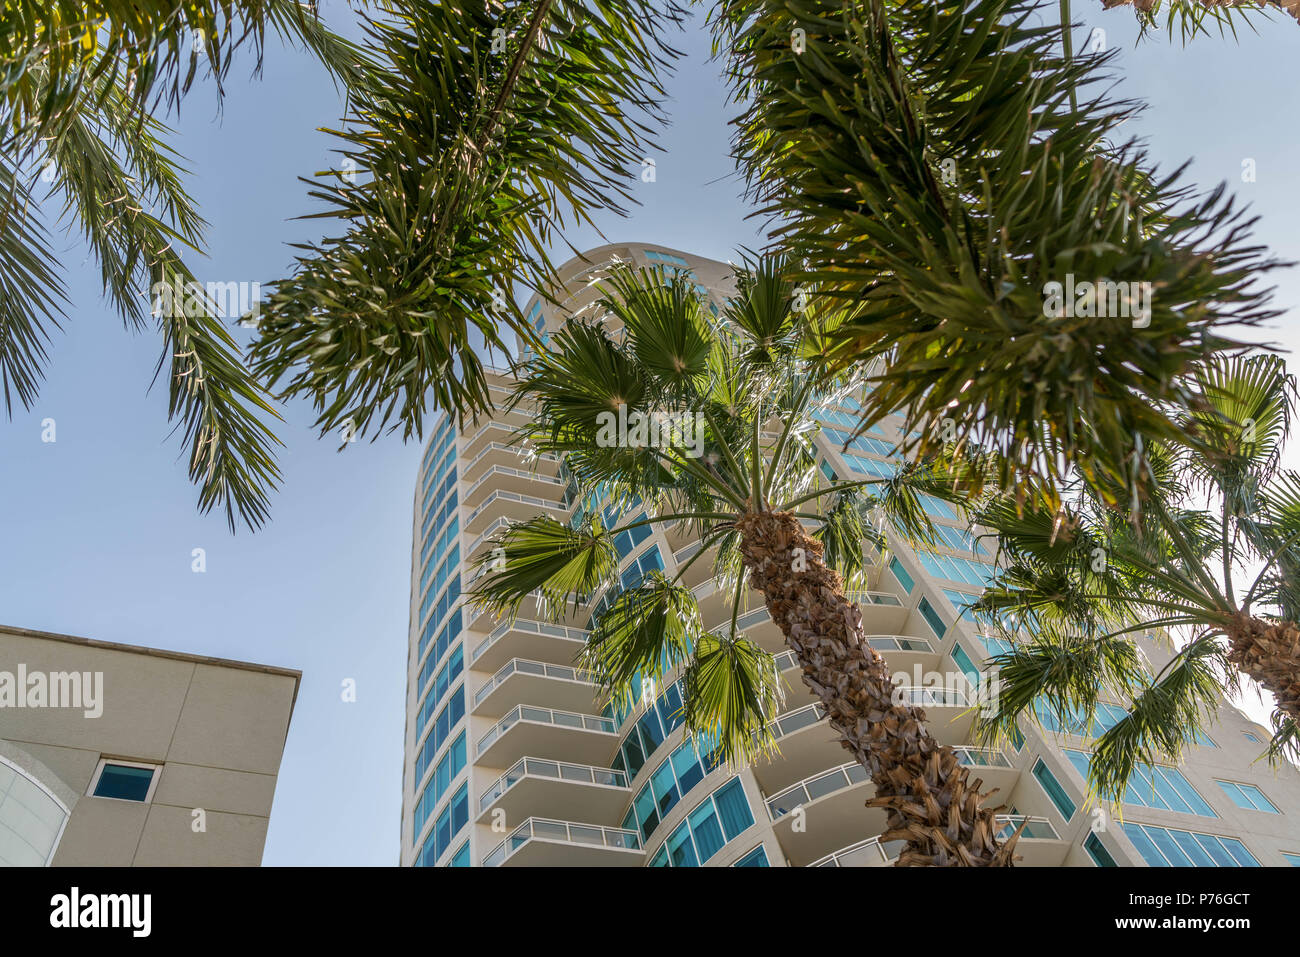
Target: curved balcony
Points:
(529, 730)
(823, 811)
(949, 713)
(541, 842)
(533, 608)
(502, 453)
(1039, 845)
(905, 652)
(868, 853)
(528, 638)
(806, 745)
(522, 679)
(512, 505)
(700, 571)
(509, 478)
(882, 612)
(549, 788)
(992, 768)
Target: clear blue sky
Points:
(96, 530)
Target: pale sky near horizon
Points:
(97, 528)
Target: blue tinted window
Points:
(932, 618)
(124, 783)
(901, 574)
(1097, 851)
(733, 808)
(1044, 776)
(758, 858)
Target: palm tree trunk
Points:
(929, 800)
(1269, 652)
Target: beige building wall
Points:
(214, 729)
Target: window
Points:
(1292, 859)
(719, 818)
(1047, 779)
(961, 601)
(932, 618)
(1250, 737)
(901, 574)
(124, 781)
(1097, 851)
(1247, 796)
(1154, 786)
(1168, 847)
(966, 665)
(758, 858)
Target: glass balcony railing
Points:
(868, 853)
(751, 618)
(541, 829)
(982, 757)
(504, 496)
(873, 598)
(562, 719)
(819, 785)
(1035, 827)
(898, 643)
(524, 666)
(924, 697)
(487, 532)
(517, 473)
(502, 447)
(533, 628)
(786, 660)
(554, 770)
(797, 720)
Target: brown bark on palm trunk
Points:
(931, 802)
(1269, 652)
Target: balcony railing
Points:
(562, 719)
(819, 785)
(515, 449)
(898, 643)
(555, 770)
(503, 495)
(873, 598)
(982, 757)
(751, 618)
(532, 628)
(536, 828)
(517, 473)
(924, 697)
(525, 666)
(1035, 827)
(786, 660)
(797, 720)
(862, 854)
(499, 523)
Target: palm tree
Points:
(1082, 580)
(749, 493)
(1194, 16)
(484, 129)
(922, 160)
(79, 83)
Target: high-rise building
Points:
(117, 755)
(510, 760)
